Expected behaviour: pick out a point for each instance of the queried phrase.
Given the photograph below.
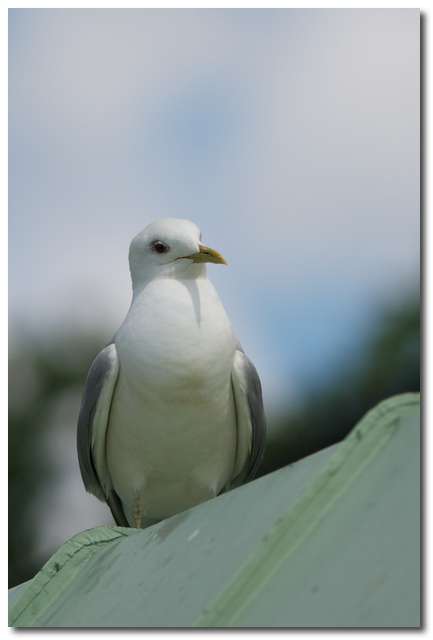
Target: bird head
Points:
(169, 247)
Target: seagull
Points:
(172, 411)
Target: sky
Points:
(291, 137)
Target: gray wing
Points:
(92, 430)
(250, 418)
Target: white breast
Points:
(172, 431)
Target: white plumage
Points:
(166, 420)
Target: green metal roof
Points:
(330, 541)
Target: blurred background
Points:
(291, 137)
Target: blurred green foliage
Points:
(387, 364)
(41, 371)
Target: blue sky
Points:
(289, 137)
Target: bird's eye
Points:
(159, 247)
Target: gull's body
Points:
(175, 374)
(166, 421)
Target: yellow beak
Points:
(207, 255)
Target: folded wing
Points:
(250, 418)
(92, 430)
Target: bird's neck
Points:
(179, 271)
